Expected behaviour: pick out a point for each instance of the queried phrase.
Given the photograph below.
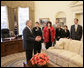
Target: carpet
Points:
(15, 60)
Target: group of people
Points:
(32, 38)
(61, 32)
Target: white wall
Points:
(49, 9)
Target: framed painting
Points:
(61, 21)
(43, 20)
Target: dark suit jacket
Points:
(66, 34)
(37, 32)
(59, 33)
(76, 35)
(28, 39)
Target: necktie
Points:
(76, 28)
(31, 30)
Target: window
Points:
(4, 17)
(23, 16)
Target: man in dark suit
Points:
(29, 40)
(76, 30)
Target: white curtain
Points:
(4, 17)
(23, 16)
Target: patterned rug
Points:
(15, 60)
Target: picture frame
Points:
(61, 21)
(43, 20)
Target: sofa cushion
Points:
(62, 62)
(75, 46)
(77, 60)
(61, 53)
(55, 51)
(66, 43)
(67, 55)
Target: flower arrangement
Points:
(40, 59)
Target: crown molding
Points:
(76, 3)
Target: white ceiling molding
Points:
(76, 3)
(76, 6)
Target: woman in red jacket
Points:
(48, 34)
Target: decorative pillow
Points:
(59, 45)
(66, 43)
(51, 48)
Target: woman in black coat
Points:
(59, 33)
(66, 33)
(37, 32)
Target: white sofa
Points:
(67, 53)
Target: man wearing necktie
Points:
(76, 27)
(76, 30)
(29, 40)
